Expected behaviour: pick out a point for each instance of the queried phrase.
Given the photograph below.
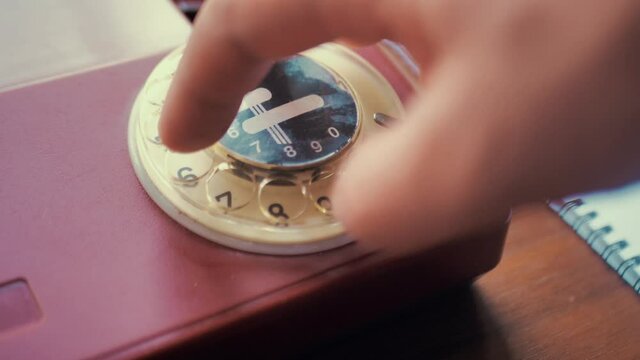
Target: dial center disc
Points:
(301, 115)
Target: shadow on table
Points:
(456, 324)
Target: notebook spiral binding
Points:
(597, 239)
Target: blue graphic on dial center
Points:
(298, 116)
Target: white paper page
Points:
(619, 209)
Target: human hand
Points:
(519, 101)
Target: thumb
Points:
(423, 180)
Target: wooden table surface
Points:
(550, 297)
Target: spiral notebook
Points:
(609, 222)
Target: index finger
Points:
(234, 42)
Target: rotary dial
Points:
(266, 186)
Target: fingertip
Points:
(188, 125)
(179, 138)
(185, 143)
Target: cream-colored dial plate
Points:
(248, 206)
